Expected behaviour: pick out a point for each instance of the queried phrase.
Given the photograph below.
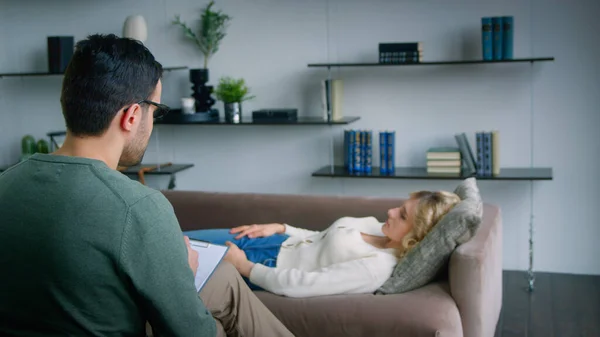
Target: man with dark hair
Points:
(86, 251)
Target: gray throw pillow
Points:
(423, 263)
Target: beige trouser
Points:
(239, 312)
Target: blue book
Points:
(486, 38)
(345, 149)
(368, 164)
(391, 149)
(357, 153)
(497, 37)
(383, 152)
(507, 37)
(487, 154)
(350, 151)
(479, 141)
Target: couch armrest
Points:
(475, 273)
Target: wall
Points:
(270, 43)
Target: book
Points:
(455, 170)
(479, 141)
(497, 31)
(209, 257)
(391, 150)
(443, 163)
(507, 37)
(357, 152)
(466, 154)
(495, 153)
(337, 99)
(326, 99)
(383, 152)
(443, 153)
(368, 150)
(486, 38)
(487, 154)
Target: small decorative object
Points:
(200, 91)
(60, 51)
(28, 147)
(135, 28)
(232, 92)
(188, 105)
(207, 38)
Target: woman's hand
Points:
(238, 259)
(258, 231)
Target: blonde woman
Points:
(353, 255)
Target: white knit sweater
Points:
(334, 261)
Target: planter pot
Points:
(233, 112)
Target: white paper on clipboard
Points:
(209, 257)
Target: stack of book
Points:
(488, 153)
(497, 37)
(387, 149)
(358, 151)
(486, 161)
(399, 53)
(444, 160)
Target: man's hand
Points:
(258, 231)
(238, 259)
(192, 256)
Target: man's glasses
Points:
(161, 109)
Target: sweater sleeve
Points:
(154, 260)
(364, 275)
(298, 232)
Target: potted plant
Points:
(232, 92)
(207, 37)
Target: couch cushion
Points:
(425, 261)
(422, 312)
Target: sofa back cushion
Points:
(430, 256)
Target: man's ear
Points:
(131, 118)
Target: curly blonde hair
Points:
(430, 208)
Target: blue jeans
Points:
(258, 250)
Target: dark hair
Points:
(105, 74)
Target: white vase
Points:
(135, 28)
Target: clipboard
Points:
(209, 257)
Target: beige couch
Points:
(465, 301)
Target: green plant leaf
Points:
(232, 90)
(211, 31)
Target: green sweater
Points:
(86, 251)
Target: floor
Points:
(561, 305)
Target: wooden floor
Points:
(561, 305)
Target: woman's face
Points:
(400, 220)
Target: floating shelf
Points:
(421, 173)
(176, 118)
(431, 63)
(60, 74)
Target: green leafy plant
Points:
(232, 90)
(212, 29)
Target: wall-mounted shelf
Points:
(524, 173)
(176, 118)
(431, 63)
(60, 74)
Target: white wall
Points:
(271, 42)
